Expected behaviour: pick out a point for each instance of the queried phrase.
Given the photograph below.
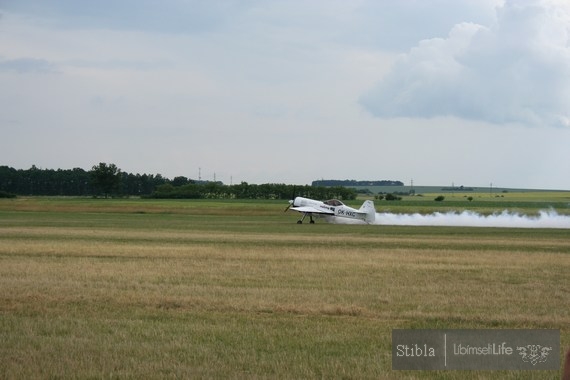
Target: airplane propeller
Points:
(290, 204)
(292, 201)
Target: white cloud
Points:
(514, 71)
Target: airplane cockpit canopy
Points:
(333, 202)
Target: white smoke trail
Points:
(545, 219)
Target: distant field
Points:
(213, 289)
(492, 191)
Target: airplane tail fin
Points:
(368, 208)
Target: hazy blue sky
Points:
(444, 91)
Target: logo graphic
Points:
(534, 353)
(476, 349)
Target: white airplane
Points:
(332, 208)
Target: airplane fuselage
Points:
(333, 207)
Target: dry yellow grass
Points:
(146, 298)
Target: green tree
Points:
(180, 181)
(105, 178)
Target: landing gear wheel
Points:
(299, 222)
(312, 222)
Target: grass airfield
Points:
(236, 289)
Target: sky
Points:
(438, 92)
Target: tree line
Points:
(75, 182)
(108, 180)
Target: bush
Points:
(439, 198)
(392, 197)
(5, 194)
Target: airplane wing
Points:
(312, 210)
